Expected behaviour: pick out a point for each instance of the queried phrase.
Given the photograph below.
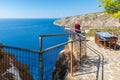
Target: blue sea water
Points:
(25, 33)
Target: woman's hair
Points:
(76, 22)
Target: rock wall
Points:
(62, 68)
(88, 21)
(12, 69)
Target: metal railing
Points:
(21, 63)
(36, 64)
(47, 62)
(100, 62)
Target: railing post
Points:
(41, 61)
(85, 47)
(1, 49)
(80, 50)
(71, 65)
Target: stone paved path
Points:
(111, 68)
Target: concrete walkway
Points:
(109, 64)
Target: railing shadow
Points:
(92, 65)
(89, 66)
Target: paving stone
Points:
(111, 64)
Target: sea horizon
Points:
(30, 18)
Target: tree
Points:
(111, 7)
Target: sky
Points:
(46, 8)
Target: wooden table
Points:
(102, 37)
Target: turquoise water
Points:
(25, 33)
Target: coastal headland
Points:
(89, 21)
(88, 70)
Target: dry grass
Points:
(115, 30)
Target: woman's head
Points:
(76, 22)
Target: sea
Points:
(24, 33)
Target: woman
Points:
(77, 27)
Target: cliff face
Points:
(93, 20)
(12, 69)
(62, 68)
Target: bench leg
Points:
(104, 44)
(115, 46)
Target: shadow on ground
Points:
(118, 47)
(90, 65)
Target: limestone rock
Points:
(62, 67)
(92, 20)
(12, 69)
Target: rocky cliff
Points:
(62, 67)
(12, 69)
(92, 20)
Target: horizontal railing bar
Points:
(37, 51)
(47, 35)
(80, 34)
(56, 46)
(23, 49)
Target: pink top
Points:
(77, 27)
